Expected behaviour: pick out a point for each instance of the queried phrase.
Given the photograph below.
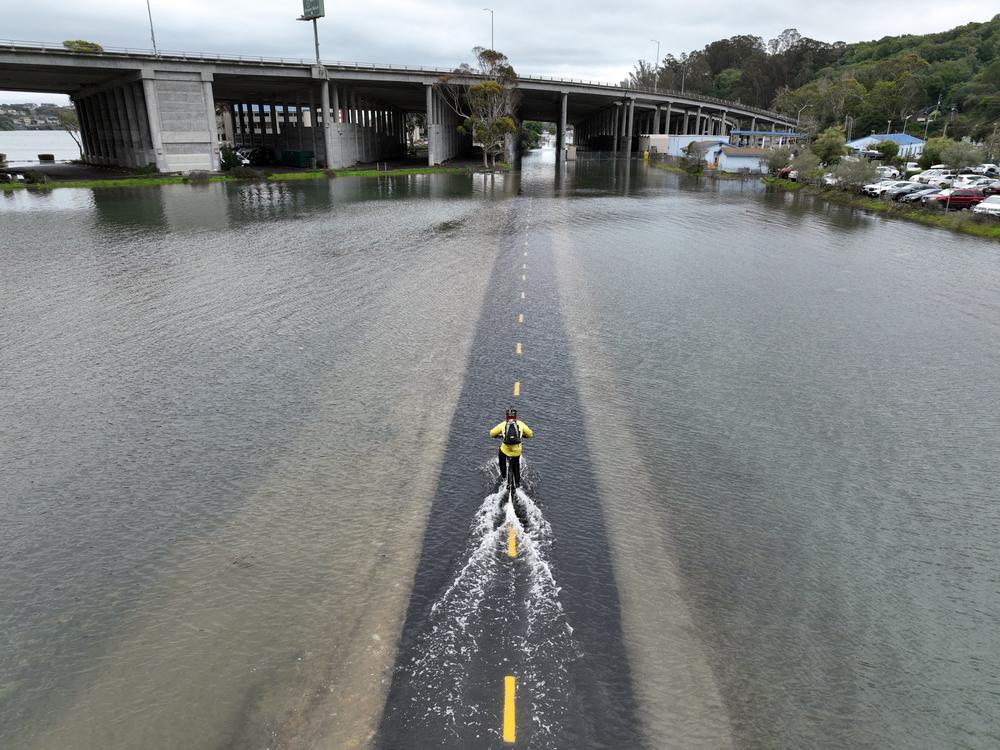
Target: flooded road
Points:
(249, 498)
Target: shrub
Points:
(81, 45)
(198, 176)
(228, 158)
(36, 178)
(150, 168)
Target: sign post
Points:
(311, 10)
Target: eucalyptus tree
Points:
(485, 97)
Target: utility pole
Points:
(927, 120)
(490, 11)
(656, 67)
(152, 34)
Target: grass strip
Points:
(115, 183)
(319, 174)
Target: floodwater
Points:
(22, 147)
(248, 498)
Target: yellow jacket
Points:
(513, 451)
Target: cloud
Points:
(583, 39)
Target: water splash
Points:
(543, 646)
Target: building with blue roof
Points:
(909, 146)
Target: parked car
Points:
(939, 192)
(957, 199)
(971, 181)
(987, 169)
(990, 206)
(877, 189)
(992, 189)
(831, 179)
(261, 156)
(784, 172)
(911, 167)
(887, 173)
(898, 192)
(919, 195)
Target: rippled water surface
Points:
(243, 438)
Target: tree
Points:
(69, 122)
(932, 151)
(694, 156)
(531, 134)
(854, 173)
(485, 98)
(807, 164)
(961, 154)
(888, 149)
(829, 145)
(777, 159)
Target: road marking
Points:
(522, 295)
(509, 715)
(520, 317)
(517, 348)
(524, 266)
(525, 253)
(523, 277)
(517, 388)
(511, 542)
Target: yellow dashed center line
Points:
(517, 388)
(511, 542)
(517, 348)
(520, 317)
(509, 711)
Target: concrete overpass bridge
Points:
(137, 108)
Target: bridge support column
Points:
(153, 117)
(666, 121)
(561, 130)
(656, 120)
(615, 118)
(213, 125)
(324, 94)
(630, 128)
(432, 127)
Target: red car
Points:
(957, 199)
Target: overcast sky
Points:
(587, 39)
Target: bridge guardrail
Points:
(16, 44)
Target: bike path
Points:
(550, 620)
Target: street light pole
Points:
(490, 11)
(799, 114)
(656, 68)
(152, 34)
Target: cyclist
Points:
(511, 431)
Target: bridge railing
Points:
(15, 45)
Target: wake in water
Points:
(462, 626)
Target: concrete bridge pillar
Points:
(616, 117)
(630, 128)
(213, 126)
(561, 129)
(656, 120)
(666, 120)
(432, 127)
(153, 118)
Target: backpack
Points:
(512, 433)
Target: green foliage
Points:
(853, 173)
(150, 168)
(892, 79)
(693, 160)
(777, 159)
(888, 149)
(6, 123)
(808, 165)
(531, 134)
(81, 45)
(227, 158)
(961, 154)
(36, 178)
(932, 151)
(829, 145)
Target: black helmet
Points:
(512, 414)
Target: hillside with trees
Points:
(948, 82)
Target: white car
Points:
(831, 179)
(990, 206)
(877, 189)
(971, 181)
(985, 167)
(911, 167)
(887, 173)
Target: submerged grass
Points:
(965, 222)
(115, 183)
(320, 173)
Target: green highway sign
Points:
(312, 9)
